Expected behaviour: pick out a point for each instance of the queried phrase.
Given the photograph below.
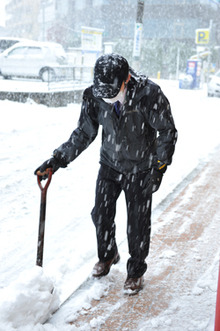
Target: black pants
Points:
(109, 185)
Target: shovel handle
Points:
(40, 245)
(49, 171)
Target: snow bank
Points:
(31, 299)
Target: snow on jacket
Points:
(143, 134)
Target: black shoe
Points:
(133, 285)
(102, 268)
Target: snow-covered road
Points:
(28, 135)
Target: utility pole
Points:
(177, 63)
(209, 56)
(138, 34)
(43, 4)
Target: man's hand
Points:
(42, 171)
(56, 162)
(157, 175)
(155, 179)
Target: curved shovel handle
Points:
(49, 171)
(40, 245)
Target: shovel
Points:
(40, 246)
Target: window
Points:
(18, 51)
(34, 51)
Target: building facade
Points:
(45, 19)
(22, 18)
(166, 24)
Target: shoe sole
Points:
(130, 292)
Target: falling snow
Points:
(28, 294)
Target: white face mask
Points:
(119, 97)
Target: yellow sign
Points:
(202, 36)
(91, 38)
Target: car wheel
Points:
(47, 75)
(6, 77)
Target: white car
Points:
(214, 85)
(42, 60)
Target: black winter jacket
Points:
(134, 142)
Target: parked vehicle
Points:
(6, 42)
(32, 59)
(214, 85)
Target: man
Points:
(138, 140)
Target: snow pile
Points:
(29, 300)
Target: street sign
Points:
(91, 38)
(137, 39)
(202, 36)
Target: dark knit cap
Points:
(109, 73)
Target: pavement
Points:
(188, 236)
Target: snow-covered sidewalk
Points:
(181, 281)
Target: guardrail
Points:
(67, 76)
(66, 86)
